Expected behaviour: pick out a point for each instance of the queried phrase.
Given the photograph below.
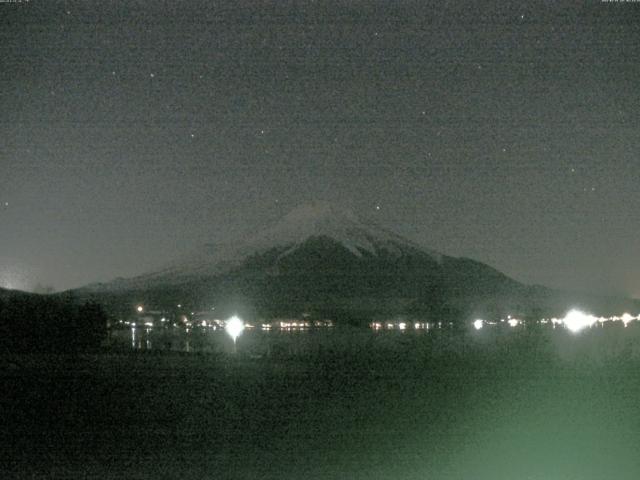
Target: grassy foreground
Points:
(467, 406)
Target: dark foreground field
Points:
(478, 406)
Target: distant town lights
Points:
(477, 324)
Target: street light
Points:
(576, 320)
(234, 327)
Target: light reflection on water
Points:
(209, 340)
(599, 342)
(140, 338)
(253, 341)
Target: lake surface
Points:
(606, 340)
(498, 404)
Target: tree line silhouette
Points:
(34, 323)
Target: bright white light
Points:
(576, 320)
(402, 325)
(626, 318)
(140, 308)
(234, 327)
(513, 322)
(478, 324)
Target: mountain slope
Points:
(292, 231)
(323, 260)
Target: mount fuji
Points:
(309, 222)
(324, 260)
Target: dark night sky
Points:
(133, 131)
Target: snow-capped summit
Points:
(342, 225)
(321, 219)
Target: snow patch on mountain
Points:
(313, 220)
(340, 224)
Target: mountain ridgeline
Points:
(325, 262)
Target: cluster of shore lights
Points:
(513, 322)
(575, 320)
(403, 325)
(285, 325)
